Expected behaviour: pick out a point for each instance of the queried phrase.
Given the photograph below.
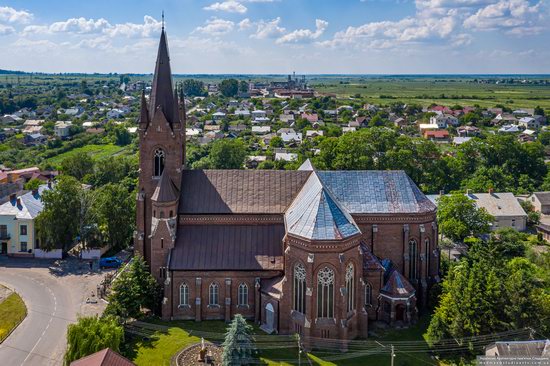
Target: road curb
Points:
(21, 320)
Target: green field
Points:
(12, 312)
(426, 91)
(97, 152)
(279, 350)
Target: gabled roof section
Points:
(166, 190)
(105, 357)
(306, 165)
(315, 214)
(28, 205)
(397, 286)
(162, 91)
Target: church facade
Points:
(320, 253)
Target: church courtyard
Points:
(157, 343)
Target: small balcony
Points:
(5, 235)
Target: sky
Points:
(278, 36)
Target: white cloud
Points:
(6, 29)
(8, 14)
(245, 24)
(230, 6)
(396, 32)
(303, 35)
(216, 27)
(512, 15)
(149, 27)
(268, 29)
(80, 25)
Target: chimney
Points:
(491, 191)
(18, 201)
(35, 192)
(49, 183)
(441, 193)
(469, 192)
(13, 196)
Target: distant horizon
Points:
(490, 75)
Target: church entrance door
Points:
(269, 316)
(400, 313)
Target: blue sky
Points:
(278, 36)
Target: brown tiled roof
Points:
(397, 286)
(106, 357)
(166, 190)
(228, 247)
(239, 191)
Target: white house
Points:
(529, 122)
(444, 120)
(62, 128)
(291, 137)
(261, 130)
(286, 156)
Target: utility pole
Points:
(299, 351)
(392, 355)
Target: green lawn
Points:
(12, 312)
(97, 152)
(282, 350)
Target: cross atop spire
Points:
(163, 20)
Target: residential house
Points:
(541, 202)
(444, 120)
(504, 207)
(460, 140)
(504, 118)
(310, 117)
(286, 156)
(533, 352)
(291, 137)
(34, 139)
(464, 131)
(62, 129)
(10, 119)
(400, 122)
(427, 127)
(17, 229)
(509, 129)
(244, 113)
(287, 118)
(438, 135)
(258, 113)
(261, 130)
(348, 129)
(252, 161)
(218, 116)
(529, 122)
(314, 133)
(105, 357)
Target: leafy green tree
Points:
(238, 347)
(459, 217)
(227, 154)
(77, 165)
(229, 87)
(533, 217)
(276, 141)
(539, 111)
(116, 169)
(243, 86)
(115, 211)
(193, 88)
(33, 184)
(92, 334)
(133, 290)
(58, 223)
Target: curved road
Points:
(53, 302)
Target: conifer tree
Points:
(238, 347)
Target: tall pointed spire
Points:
(162, 92)
(144, 116)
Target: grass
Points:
(97, 152)
(12, 312)
(425, 91)
(279, 350)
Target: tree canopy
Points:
(238, 347)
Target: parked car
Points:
(110, 262)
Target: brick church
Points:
(320, 253)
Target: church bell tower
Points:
(161, 160)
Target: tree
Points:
(229, 87)
(533, 217)
(193, 88)
(227, 154)
(133, 290)
(243, 86)
(33, 184)
(539, 111)
(92, 334)
(238, 347)
(58, 223)
(276, 141)
(459, 217)
(115, 209)
(77, 165)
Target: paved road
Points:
(53, 300)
